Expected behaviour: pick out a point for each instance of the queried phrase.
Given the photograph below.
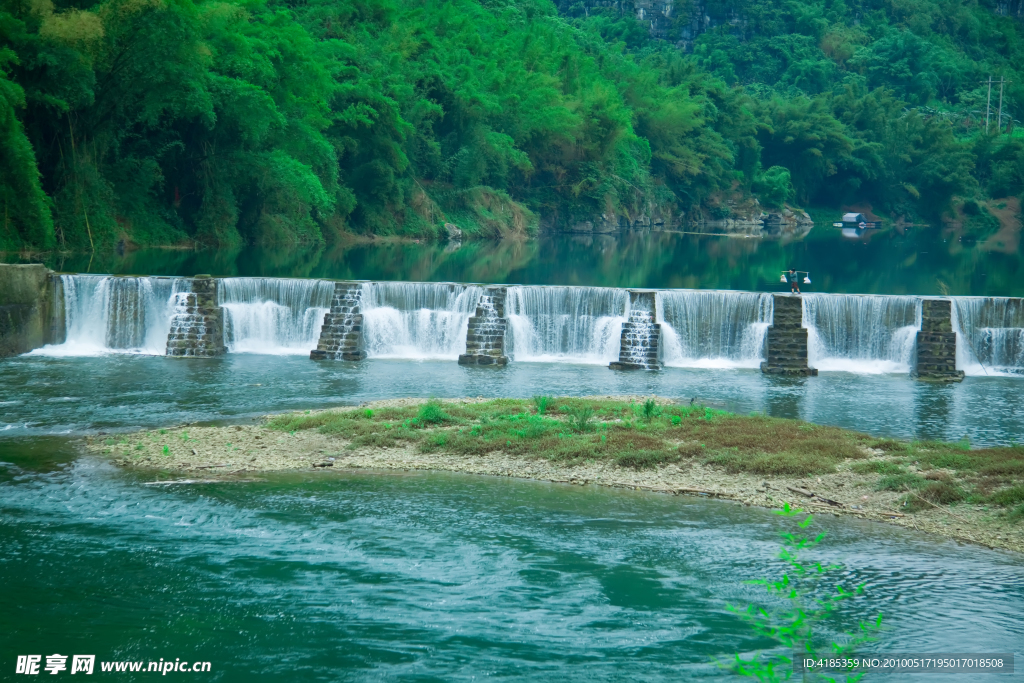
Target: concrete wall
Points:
(26, 308)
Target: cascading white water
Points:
(575, 324)
(272, 315)
(990, 335)
(417, 319)
(713, 329)
(105, 314)
(861, 333)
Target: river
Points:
(367, 576)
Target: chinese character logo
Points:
(28, 664)
(82, 664)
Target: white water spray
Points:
(713, 329)
(861, 333)
(272, 315)
(990, 335)
(105, 314)
(558, 324)
(417, 320)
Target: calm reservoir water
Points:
(920, 261)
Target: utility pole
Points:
(999, 119)
(988, 103)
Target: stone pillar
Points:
(341, 337)
(197, 326)
(786, 339)
(485, 338)
(27, 308)
(936, 343)
(640, 336)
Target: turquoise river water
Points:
(430, 577)
(364, 576)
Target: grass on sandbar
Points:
(648, 435)
(571, 430)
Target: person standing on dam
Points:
(794, 281)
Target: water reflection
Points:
(918, 261)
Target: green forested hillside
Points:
(267, 121)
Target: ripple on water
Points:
(445, 576)
(120, 392)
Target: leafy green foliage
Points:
(541, 403)
(222, 122)
(774, 187)
(580, 417)
(811, 599)
(433, 413)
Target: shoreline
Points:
(191, 454)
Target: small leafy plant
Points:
(541, 403)
(433, 413)
(651, 410)
(802, 586)
(580, 417)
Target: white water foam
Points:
(273, 316)
(862, 334)
(105, 314)
(990, 335)
(565, 324)
(713, 329)
(417, 320)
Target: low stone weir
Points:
(639, 341)
(197, 326)
(485, 337)
(86, 315)
(417, 320)
(861, 333)
(100, 314)
(341, 337)
(936, 343)
(786, 339)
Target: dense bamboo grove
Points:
(266, 121)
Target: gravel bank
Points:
(190, 454)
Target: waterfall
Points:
(417, 319)
(990, 335)
(273, 316)
(713, 329)
(861, 333)
(575, 324)
(106, 314)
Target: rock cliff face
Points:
(1010, 8)
(743, 218)
(607, 223)
(679, 22)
